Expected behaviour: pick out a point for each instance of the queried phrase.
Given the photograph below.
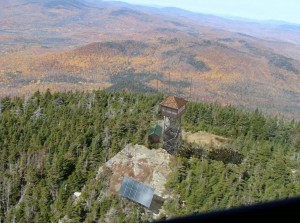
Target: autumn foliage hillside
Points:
(76, 45)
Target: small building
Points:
(154, 133)
(173, 107)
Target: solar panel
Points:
(137, 191)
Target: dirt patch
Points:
(205, 139)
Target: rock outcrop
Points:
(147, 166)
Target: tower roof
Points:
(173, 102)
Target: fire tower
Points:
(172, 109)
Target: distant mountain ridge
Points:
(65, 45)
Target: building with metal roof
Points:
(154, 133)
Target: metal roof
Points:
(173, 102)
(155, 129)
(137, 191)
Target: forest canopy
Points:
(52, 144)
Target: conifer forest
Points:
(52, 145)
